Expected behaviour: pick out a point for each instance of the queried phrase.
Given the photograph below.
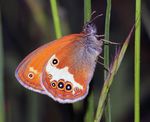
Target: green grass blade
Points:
(2, 105)
(107, 29)
(89, 116)
(33, 105)
(137, 62)
(106, 58)
(108, 109)
(113, 69)
(87, 10)
(56, 20)
(40, 17)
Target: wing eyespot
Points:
(61, 84)
(31, 75)
(54, 62)
(68, 86)
(54, 84)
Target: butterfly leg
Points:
(98, 36)
(109, 42)
(103, 65)
(101, 57)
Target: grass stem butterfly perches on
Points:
(106, 58)
(89, 115)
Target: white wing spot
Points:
(61, 74)
(31, 69)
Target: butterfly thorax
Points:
(90, 41)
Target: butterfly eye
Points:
(61, 84)
(53, 84)
(68, 87)
(30, 75)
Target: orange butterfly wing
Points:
(29, 70)
(67, 74)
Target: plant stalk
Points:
(87, 10)
(2, 105)
(106, 58)
(137, 62)
(54, 9)
(89, 116)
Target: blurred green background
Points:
(27, 24)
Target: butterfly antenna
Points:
(93, 13)
(95, 17)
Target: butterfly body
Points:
(63, 68)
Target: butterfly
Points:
(63, 68)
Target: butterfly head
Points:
(89, 29)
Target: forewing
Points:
(29, 70)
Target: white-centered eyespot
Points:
(61, 84)
(30, 75)
(68, 86)
(54, 62)
(54, 84)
